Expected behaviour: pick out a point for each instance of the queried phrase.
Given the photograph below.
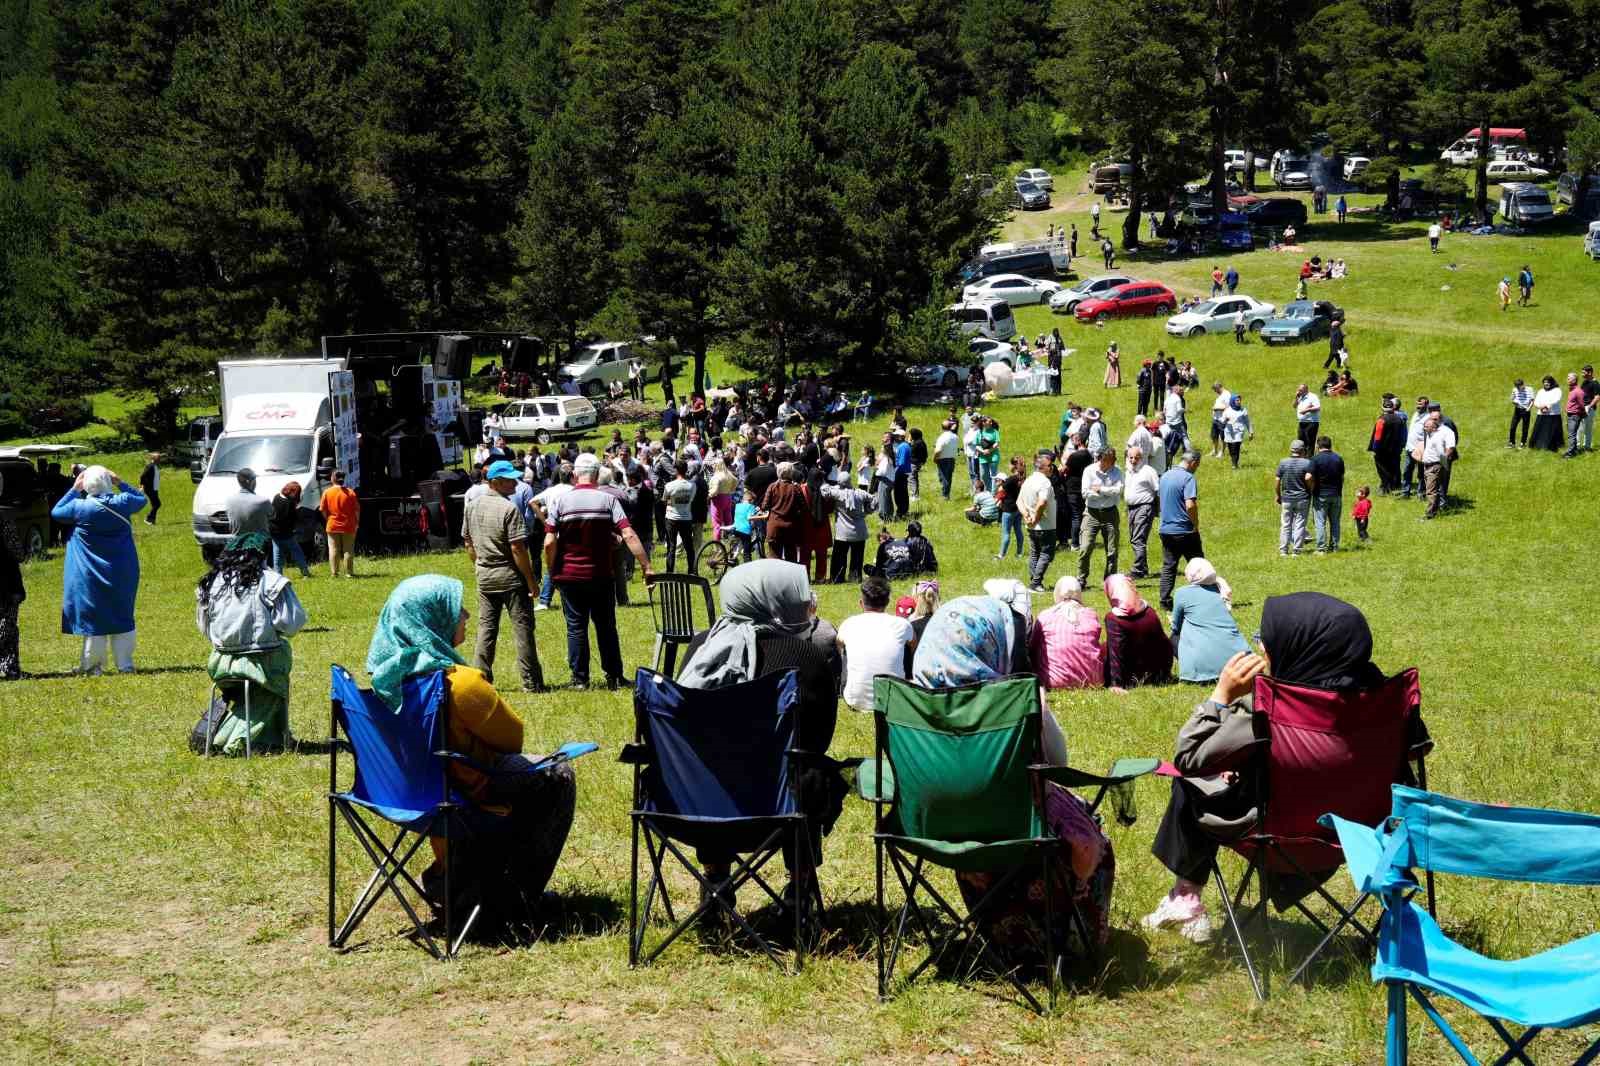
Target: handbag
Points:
(205, 730)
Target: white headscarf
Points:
(1013, 592)
(1069, 596)
(97, 481)
(1201, 572)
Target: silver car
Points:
(1216, 315)
(1014, 289)
(1067, 300)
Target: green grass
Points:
(161, 908)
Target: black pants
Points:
(902, 493)
(680, 533)
(1308, 435)
(1067, 532)
(661, 521)
(155, 505)
(1387, 464)
(847, 557)
(1181, 844)
(1412, 469)
(1144, 403)
(1175, 546)
(1233, 451)
(583, 602)
(1041, 551)
(1333, 358)
(1519, 416)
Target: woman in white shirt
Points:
(1236, 427)
(1548, 403)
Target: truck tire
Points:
(34, 548)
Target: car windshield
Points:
(1026, 187)
(1294, 164)
(264, 455)
(1205, 308)
(1299, 311)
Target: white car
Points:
(1014, 289)
(1235, 159)
(988, 351)
(1355, 166)
(1216, 315)
(1039, 177)
(546, 417)
(1067, 300)
(1294, 175)
(1513, 170)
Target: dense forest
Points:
(795, 179)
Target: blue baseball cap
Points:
(500, 468)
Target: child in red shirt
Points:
(1362, 511)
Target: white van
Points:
(1525, 204)
(1591, 241)
(546, 417)
(201, 438)
(984, 318)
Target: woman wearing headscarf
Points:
(785, 509)
(1307, 638)
(1065, 642)
(519, 817)
(1236, 427)
(12, 593)
(1138, 651)
(767, 626)
(1203, 630)
(1547, 407)
(970, 641)
(101, 578)
(248, 612)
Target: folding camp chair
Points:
(716, 770)
(399, 778)
(672, 609)
(1326, 750)
(956, 784)
(1554, 989)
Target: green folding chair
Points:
(957, 784)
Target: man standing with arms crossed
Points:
(496, 539)
(1180, 521)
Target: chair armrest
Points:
(868, 786)
(1071, 777)
(456, 756)
(634, 754)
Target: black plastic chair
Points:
(672, 609)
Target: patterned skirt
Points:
(1083, 872)
(10, 658)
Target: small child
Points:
(743, 518)
(1362, 511)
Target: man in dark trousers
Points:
(1388, 443)
(1335, 342)
(150, 485)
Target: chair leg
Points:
(449, 892)
(633, 900)
(879, 922)
(247, 751)
(1397, 1051)
(332, 867)
(1238, 929)
(655, 654)
(1051, 956)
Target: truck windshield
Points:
(264, 455)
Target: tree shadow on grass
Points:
(58, 675)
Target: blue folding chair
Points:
(400, 779)
(1555, 989)
(716, 769)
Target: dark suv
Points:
(1277, 212)
(25, 500)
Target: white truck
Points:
(300, 419)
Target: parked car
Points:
(545, 418)
(596, 366)
(938, 375)
(1591, 241)
(26, 495)
(1355, 166)
(1216, 316)
(1029, 262)
(1302, 320)
(1109, 176)
(1513, 170)
(1014, 289)
(986, 318)
(1235, 159)
(1525, 204)
(201, 438)
(1029, 197)
(987, 351)
(1292, 172)
(1067, 300)
(1567, 186)
(1277, 212)
(1039, 177)
(1127, 301)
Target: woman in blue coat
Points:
(1204, 634)
(101, 577)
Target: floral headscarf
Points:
(969, 640)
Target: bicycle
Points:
(717, 557)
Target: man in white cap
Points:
(496, 537)
(579, 528)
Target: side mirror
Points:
(325, 469)
(197, 471)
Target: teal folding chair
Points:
(957, 785)
(1555, 989)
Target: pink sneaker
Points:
(1186, 913)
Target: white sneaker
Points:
(1186, 913)
(541, 606)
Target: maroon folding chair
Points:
(1327, 752)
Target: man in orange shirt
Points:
(341, 508)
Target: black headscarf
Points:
(819, 503)
(1315, 639)
(11, 553)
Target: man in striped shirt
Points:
(580, 528)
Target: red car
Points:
(1125, 301)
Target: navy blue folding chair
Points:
(716, 770)
(399, 779)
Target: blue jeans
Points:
(1010, 525)
(547, 589)
(947, 473)
(1325, 512)
(583, 602)
(288, 548)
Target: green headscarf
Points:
(255, 540)
(414, 634)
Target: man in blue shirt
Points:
(902, 473)
(1180, 521)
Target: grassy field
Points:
(163, 908)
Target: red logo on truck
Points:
(272, 412)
